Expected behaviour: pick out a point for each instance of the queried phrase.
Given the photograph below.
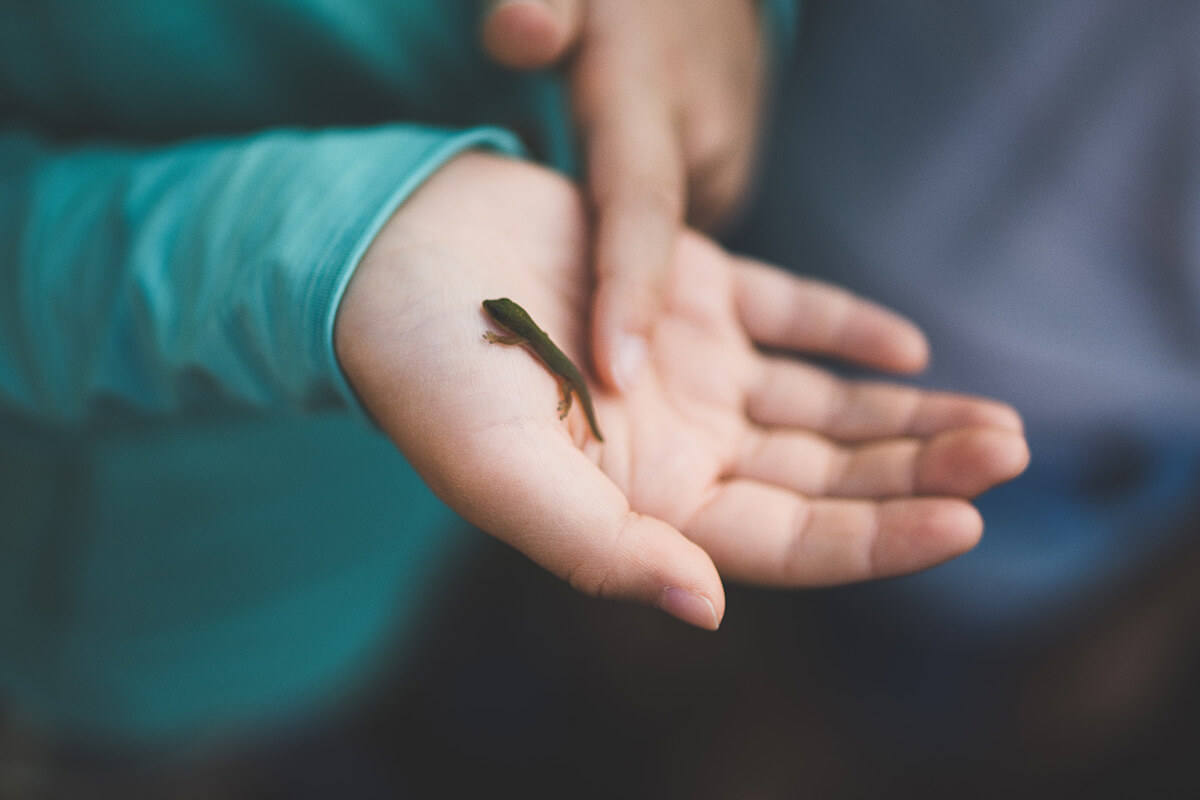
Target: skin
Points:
(667, 99)
(735, 458)
(525, 331)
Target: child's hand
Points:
(668, 98)
(763, 468)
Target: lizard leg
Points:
(564, 405)
(496, 338)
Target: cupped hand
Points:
(668, 98)
(727, 459)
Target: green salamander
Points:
(524, 330)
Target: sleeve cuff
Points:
(352, 242)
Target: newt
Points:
(523, 330)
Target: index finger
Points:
(637, 185)
(782, 310)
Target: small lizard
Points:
(524, 330)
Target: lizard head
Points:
(509, 314)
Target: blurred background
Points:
(523, 688)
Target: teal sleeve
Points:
(166, 279)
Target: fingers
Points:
(958, 463)
(720, 130)
(531, 34)
(794, 394)
(555, 505)
(637, 184)
(718, 185)
(639, 209)
(781, 310)
(909, 441)
(625, 114)
(771, 536)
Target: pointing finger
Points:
(636, 182)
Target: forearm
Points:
(205, 272)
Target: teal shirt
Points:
(198, 527)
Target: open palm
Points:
(721, 458)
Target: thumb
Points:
(567, 516)
(531, 34)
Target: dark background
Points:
(524, 688)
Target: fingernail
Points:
(631, 357)
(694, 609)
